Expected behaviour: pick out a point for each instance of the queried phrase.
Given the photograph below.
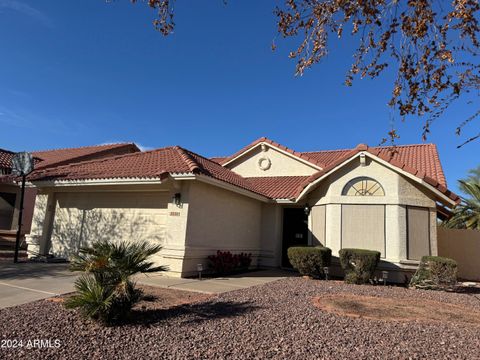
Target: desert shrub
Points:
(358, 264)
(435, 272)
(105, 291)
(309, 260)
(224, 262)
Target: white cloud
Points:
(20, 7)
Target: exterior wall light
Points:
(384, 277)
(325, 271)
(177, 199)
(307, 209)
(199, 269)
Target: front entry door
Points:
(295, 231)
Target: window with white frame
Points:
(363, 186)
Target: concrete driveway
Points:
(25, 282)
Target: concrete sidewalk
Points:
(25, 282)
(215, 285)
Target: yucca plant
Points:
(105, 291)
(466, 215)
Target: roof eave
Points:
(90, 182)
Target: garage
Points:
(81, 218)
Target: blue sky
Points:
(76, 73)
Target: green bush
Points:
(224, 262)
(358, 264)
(105, 292)
(435, 272)
(310, 261)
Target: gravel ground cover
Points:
(274, 321)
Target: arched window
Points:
(363, 186)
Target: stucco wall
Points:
(280, 164)
(220, 220)
(400, 192)
(173, 251)
(38, 220)
(82, 218)
(65, 218)
(464, 247)
(271, 235)
(208, 219)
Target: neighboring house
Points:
(10, 189)
(261, 200)
(8, 192)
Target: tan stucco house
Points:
(261, 200)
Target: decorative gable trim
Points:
(305, 159)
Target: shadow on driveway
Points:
(25, 282)
(29, 270)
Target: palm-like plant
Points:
(105, 291)
(466, 215)
(122, 258)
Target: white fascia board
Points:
(183, 176)
(308, 163)
(386, 164)
(284, 201)
(90, 182)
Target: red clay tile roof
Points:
(6, 159)
(218, 159)
(278, 187)
(422, 157)
(55, 157)
(216, 171)
(150, 164)
(58, 157)
(397, 158)
(419, 160)
(6, 166)
(275, 144)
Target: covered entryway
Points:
(295, 231)
(81, 218)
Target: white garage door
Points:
(81, 218)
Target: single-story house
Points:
(10, 186)
(261, 200)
